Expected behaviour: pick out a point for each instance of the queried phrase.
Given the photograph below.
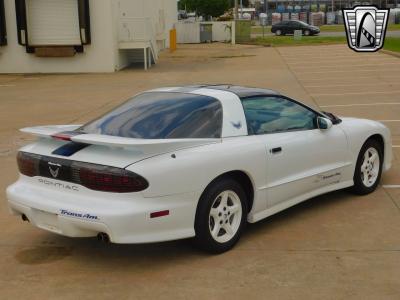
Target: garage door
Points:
(53, 22)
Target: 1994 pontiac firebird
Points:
(194, 161)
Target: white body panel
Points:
(311, 163)
(303, 162)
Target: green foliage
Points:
(213, 8)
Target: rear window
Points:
(161, 115)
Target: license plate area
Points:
(46, 220)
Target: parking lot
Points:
(334, 246)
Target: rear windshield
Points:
(161, 115)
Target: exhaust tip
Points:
(103, 237)
(24, 218)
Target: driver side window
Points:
(269, 114)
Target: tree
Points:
(246, 3)
(213, 8)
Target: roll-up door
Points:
(52, 22)
(3, 33)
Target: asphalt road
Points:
(336, 246)
(328, 33)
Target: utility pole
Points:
(236, 9)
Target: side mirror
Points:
(324, 123)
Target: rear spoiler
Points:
(66, 133)
(49, 131)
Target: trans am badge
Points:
(365, 27)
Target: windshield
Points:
(161, 115)
(303, 23)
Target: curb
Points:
(392, 53)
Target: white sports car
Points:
(195, 161)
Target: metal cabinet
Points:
(205, 33)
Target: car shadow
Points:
(90, 251)
(322, 202)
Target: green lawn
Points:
(332, 28)
(391, 43)
(258, 29)
(277, 41)
(326, 28)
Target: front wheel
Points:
(368, 168)
(307, 32)
(221, 216)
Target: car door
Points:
(292, 26)
(300, 157)
(283, 26)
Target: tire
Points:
(221, 216)
(278, 32)
(368, 169)
(306, 32)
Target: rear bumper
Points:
(125, 218)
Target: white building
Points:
(68, 36)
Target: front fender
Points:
(358, 131)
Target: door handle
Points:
(276, 150)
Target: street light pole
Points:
(236, 9)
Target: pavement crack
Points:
(393, 201)
(296, 78)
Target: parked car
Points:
(288, 27)
(192, 162)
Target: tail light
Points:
(109, 179)
(28, 165)
(66, 135)
(92, 176)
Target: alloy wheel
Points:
(225, 216)
(370, 167)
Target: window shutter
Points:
(84, 21)
(20, 10)
(3, 32)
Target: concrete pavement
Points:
(337, 246)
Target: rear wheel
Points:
(278, 32)
(368, 168)
(221, 216)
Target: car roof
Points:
(240, 91)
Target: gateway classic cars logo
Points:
(365, 27)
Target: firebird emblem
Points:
(54, 169)
(237, 125)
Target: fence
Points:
(189, 32)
